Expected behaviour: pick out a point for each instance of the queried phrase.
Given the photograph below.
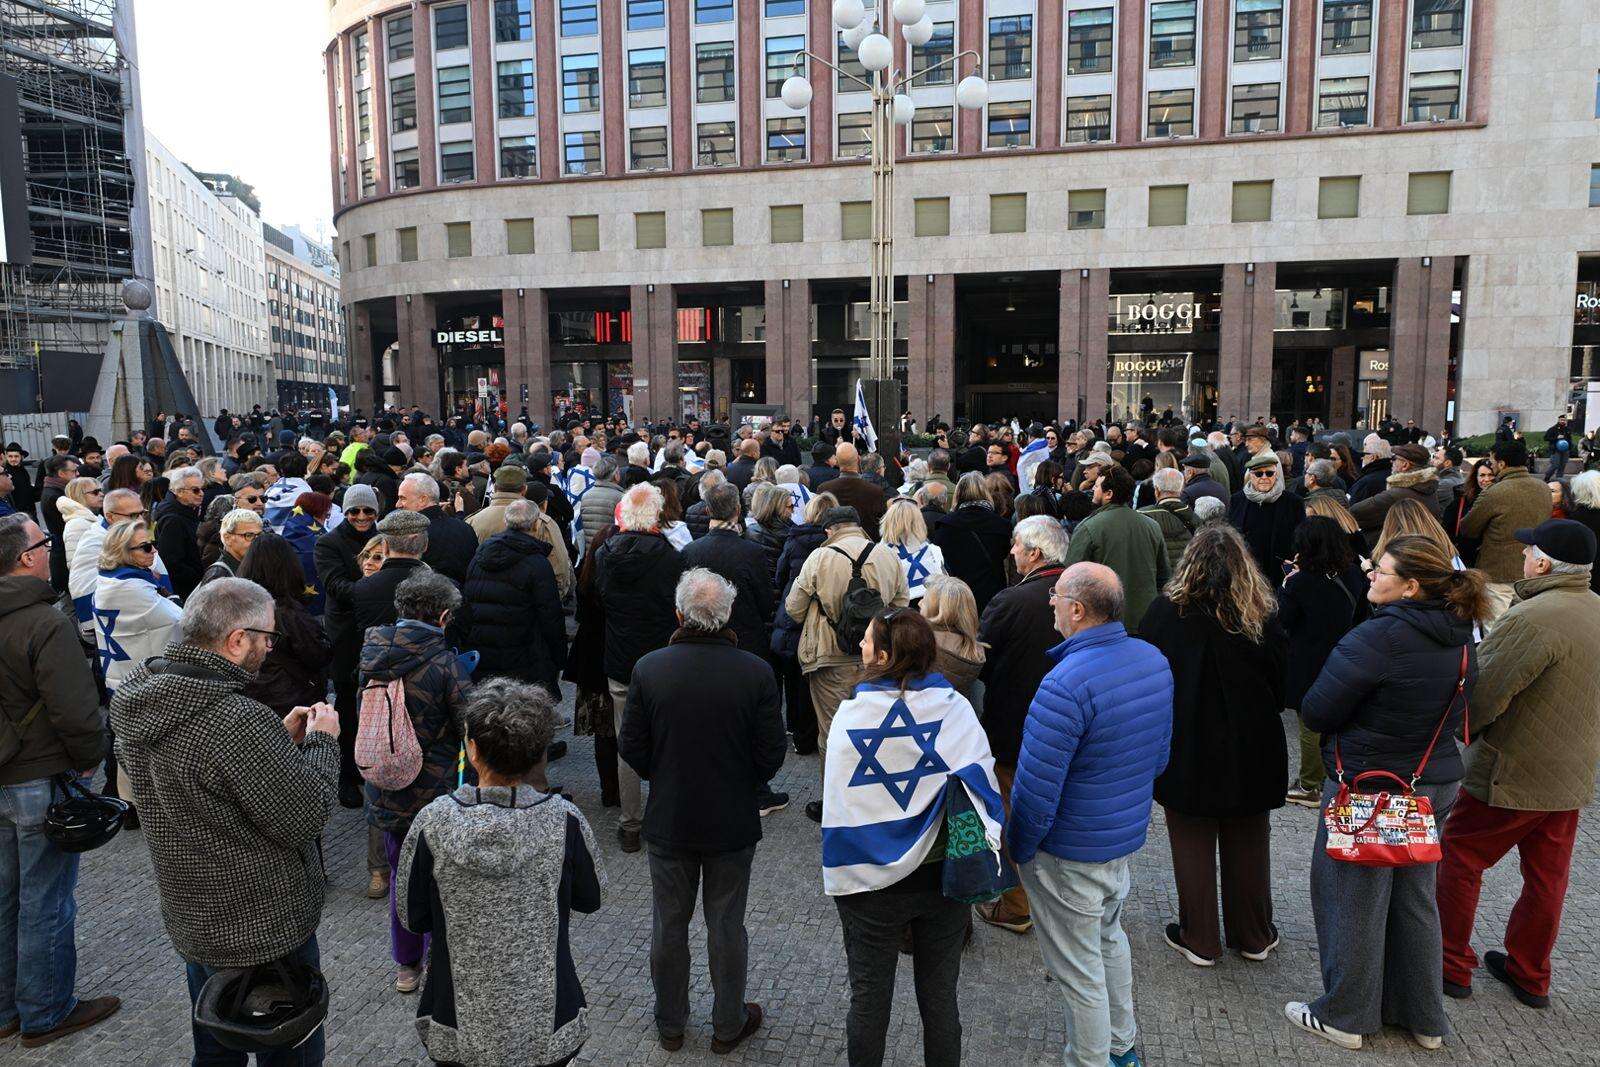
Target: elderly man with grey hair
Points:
(177, 523)
(1321, 479)
(706, 760)
(451, 542)
(233, 799)
(1177, 520)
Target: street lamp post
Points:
(892, 106)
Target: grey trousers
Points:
(629, 789)
(675, 879)
(1378, 937)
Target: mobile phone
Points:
(1288, 567)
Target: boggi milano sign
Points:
(1155, 313)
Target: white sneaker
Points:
(1300, 1015)
(1427, 1041)
(1257, 957)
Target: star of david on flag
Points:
(112, 652)
(900, 784)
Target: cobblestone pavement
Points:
(1231, 1014)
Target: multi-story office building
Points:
(1339, 208)
(306, 321)
(211, 280)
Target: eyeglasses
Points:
(360, 511)
(1054, 596)
(96, 492)
(1267, 473)
(247, 499)
(272, 636)
(143, 546)
(1379, 570)
(114, 517)
(43, 542)
(188, 489)
(249, 535)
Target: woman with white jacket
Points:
(81, 508)
(134, 617)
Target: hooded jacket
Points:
(232, 809)
(493, 875)
(1421, 485)
(41, 659)
(134, 620)
(512, 611)
(1178, 523)
(638, 574)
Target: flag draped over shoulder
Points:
(892, 754)
(1037, 452)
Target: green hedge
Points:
(1479, 445)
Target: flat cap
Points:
(403, 523)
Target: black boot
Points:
(605, 762)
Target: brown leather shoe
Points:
(995, 914)
(10, 1028)
(670, 1044)
(378, 885)
(85, 1015)
(752, 1023)
(629, 839)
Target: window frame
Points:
(513, 21)
(989, 128)
(1324, 95)
(522, 86)
(634, 133)
(1069, 109)
(451, 10)
(1424, 28)
(402, 104)
(531, 146)
(403, 160)
(864, 141)
(394, 43)
(1453, 100)
(589, 161)
(1172, 55)
(460, 89)
(798, 8)
(700, 141)
(1084, 47)
(784, 60)
(638, 98)
(712, 12)
(1009, 53)
(940, 47)
(585, 18)
(580, 83)
(1096, 216)
(1342, 14)
(945, 114)
(1257, 27)
(449, 150)
(646, 14)
(1252, 93)
(721, 67)
(1150, 105)
(789, 153)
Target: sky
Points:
(238, 86)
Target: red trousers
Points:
(1475, 838)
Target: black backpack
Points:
(861, 603)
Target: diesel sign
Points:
(467, 337)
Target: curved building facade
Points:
(1339, 208)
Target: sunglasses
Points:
(143, 546)
(360, 511)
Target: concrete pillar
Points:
(970, 35)
(931, 346)
(330, 63)
(655, 343)
(1047, 44)
(418, 363)
(789, 346)
(378, 63)
(613, 92)
(1389, 72)
(750, 86)
(819, 131)
(1081, 380)
(1300, 58)
(1244, 372)
(527, 334)
(1480, 40)
(363, 386)
(1419, 340)
(547, 77)
(680, 87)
(427, 89)
(352, 155)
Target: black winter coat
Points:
(771, 539)
(1374, 480)
(638, 579)
(512, 611)
(1316, 610)
(803, 540)
(1268, 529)
(745, 564)
(705, 758)
(451, 544)
(373, 595)
(383, 482)
(295, 672)
(788, 452)
(1386, 685)
(586, 655)
(1228, 753)
(178, 542)
(975, 540)
(338, 572)
(739, 472)
(1019, 626)
(816, 476)
(698, 519)
(1590, 517)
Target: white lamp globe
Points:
(847, 14)
(972, 93)
(876, 53)
(908, 11)
(796, 93)
(856, 34)
(904, 109)
(918, 33)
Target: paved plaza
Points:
(1011, 1013)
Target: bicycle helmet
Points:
(82, 819)
(266, 1008)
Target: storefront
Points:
(1007, 347)
(1585, 394)
(472, 362)
(721, 352)
(1163, 351)
(1331, 338)
(841, 343)
(591, 361)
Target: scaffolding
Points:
(71, 86)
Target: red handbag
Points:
(1389, 828)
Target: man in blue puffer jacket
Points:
(1097, 735)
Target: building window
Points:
(403, 103)
(458, 239)
(714, 145)
(1346, 27)
(513, 20)
(580, 18)
(933, 130)
(1008, 213)
(708, 11)
(786, 139)
(519, 156)
(649, 229)
(781, 53)
(1172, 34)
(456, 162)
(647, 148)
(716, 227)
(931, 216)
(647, 14)
(449, 27)
(1086, 209)
(1342, 102)
(780, 8)
(1169, 205)
(855, 135)
(647, 77)
(406, 243)
(369, 179)
(1438, 23)
(1171, 113)
(1010, 124)
(1252, 201)
(1088, 118)
(397, 31)
(515, 90)
(788, 224)
(1011, 48)
(581, 151)
(713, 72)
(519, 237)
(1428, 193)
(1339, 198)
(1257, 30)
(850, 69)
(1435, 96)
(1255, 108)
(1594, 185)
(940, 47)
(360, 45)
(580, 83)
(855, 220)
(407, 169)
(583, 232)
(455, 95)
(1089, 41)
(363, 116)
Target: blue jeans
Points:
(38, 958)
(209, 1052)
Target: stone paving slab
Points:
(1011, 1013)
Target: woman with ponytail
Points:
(1388, 686)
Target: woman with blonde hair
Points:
(1411, 518)
(764, 473)
(80, 507)
(948, 606)
(1216, 622)
(370, 558)
(904, 530)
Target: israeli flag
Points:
(1037, 452)
(891, 755)
(801, 497)
(863, 421)
(575, 482)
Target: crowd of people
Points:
(1046, 631)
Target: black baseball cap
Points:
(1563, 540)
